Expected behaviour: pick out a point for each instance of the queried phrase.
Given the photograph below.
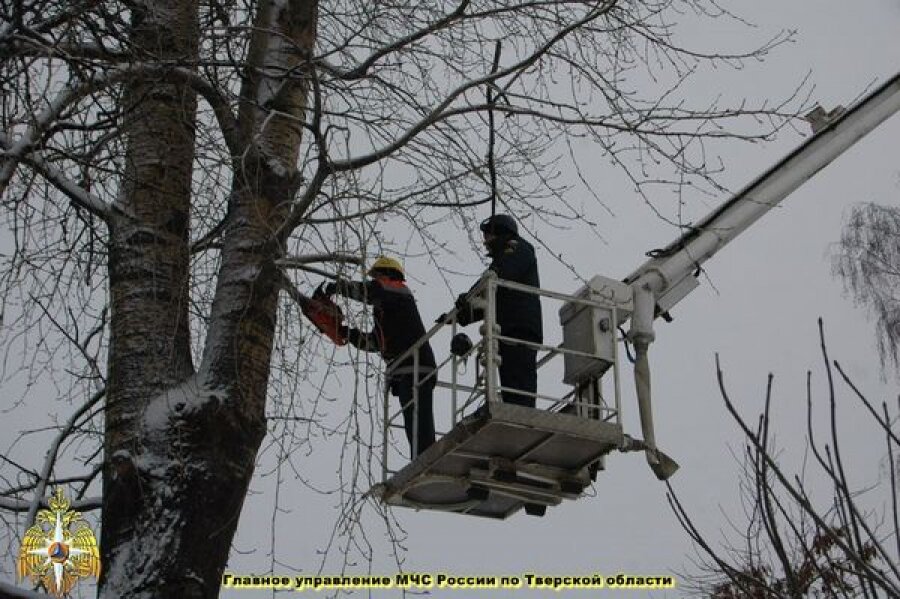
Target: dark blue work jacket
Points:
(518, 313)
(398, 324)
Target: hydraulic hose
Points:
(642, 386)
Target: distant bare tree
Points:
(164, 162)
(867, 259)
(797, 542)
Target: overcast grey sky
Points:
(757, 309)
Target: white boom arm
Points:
(667, 277)
(662, 273)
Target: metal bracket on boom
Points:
(819, 118)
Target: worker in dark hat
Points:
(518, 313)
(398, 326)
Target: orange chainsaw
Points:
(324, 314)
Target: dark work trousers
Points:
(518, 370)
(402, 388)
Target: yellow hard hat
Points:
(385, 263)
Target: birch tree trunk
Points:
(182, 444)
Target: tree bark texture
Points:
(181, 445)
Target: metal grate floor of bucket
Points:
(502, 460)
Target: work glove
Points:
(442, 318)
(351, 334)
(463, 310)
(330, 288)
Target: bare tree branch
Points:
(53, 452)
(791, 547)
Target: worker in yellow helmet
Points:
(398, 326)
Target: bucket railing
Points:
(469, 390)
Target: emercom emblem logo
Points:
(59, 550)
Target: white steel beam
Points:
(683, 256)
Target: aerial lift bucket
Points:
(504, 458)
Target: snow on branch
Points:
(14, 151)
(23, 148)
(79, 195)
(298, 261)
